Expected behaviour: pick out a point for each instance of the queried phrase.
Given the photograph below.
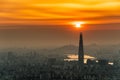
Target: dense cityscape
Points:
(59, 39)
(33, 66)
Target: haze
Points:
(46, 23)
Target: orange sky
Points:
(59, 12)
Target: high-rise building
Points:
(81, 50)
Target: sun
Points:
(78, 24)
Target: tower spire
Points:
(81, 51)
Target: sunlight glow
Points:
(74, 57)
(78, 24)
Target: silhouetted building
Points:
(91, 62)
(103, 62)
(81, 51)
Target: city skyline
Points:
(59, 39)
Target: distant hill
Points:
(99, 51)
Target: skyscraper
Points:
(81, 51)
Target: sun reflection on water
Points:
(74, 57)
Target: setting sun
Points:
(78, 24)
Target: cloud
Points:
(14, 11)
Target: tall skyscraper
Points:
(81, 51)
